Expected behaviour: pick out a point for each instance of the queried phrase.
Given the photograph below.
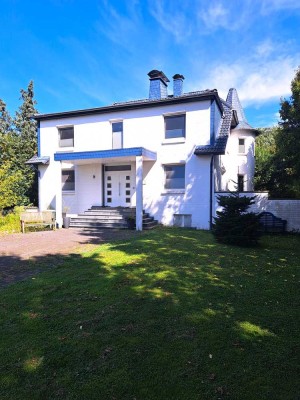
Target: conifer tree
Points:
(25, 127)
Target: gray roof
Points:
(218, 147)
(38, 160)
(234, 118)
(234, 102)
(138, 104)
(170, 97)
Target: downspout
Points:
(211, 193)
(103, 184)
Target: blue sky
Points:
(84, 54)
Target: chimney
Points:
(158, 85)
(178, 85)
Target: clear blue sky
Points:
(90, 53)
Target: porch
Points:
(105, 178)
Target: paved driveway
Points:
(22, 255)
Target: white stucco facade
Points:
(134, 174)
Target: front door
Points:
(118, 186)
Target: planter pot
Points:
(66, 222)
(131, 223)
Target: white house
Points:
(166, 154)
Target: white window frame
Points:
(112, 134)
(240, 152)
(63, 182)
(178, 139)
(61, 141)
(174, 190)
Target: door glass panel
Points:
(127, 178)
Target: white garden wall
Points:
(282, 208)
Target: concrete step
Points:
(106, 217)
(85, 224)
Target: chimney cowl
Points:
(155, 74)
(178, 76)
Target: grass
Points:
(167, 315)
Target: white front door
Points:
(117, 187)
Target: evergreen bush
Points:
(233, 224)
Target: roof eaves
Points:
(135, 104)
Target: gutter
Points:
(211, 95)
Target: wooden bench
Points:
(269, 223)
(37, 218)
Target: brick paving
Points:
(24, 255)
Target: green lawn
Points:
(167, 315)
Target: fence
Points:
(283, 208)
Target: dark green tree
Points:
(18, 143)
(25, 127)
(267, 170)
(234, 225)
(288, 140)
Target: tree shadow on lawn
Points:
(167, 315)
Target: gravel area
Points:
(24, 255)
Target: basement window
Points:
(182, 220)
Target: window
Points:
(182, 220)
(174, 176)
(66, 136)
(175, 126)
(117, 135)
(241, 146)
(68, 179)
(240, 183)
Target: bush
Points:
(10, 222)
(233, 225)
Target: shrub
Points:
(10, 222)
(234, 225)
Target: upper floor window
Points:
(174, 176)
(242, 146)
(175, 126)
(68, 179)
(66, 136)
(117, 135)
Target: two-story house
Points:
(166, 154)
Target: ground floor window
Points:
(240, 183)
(68, 180)
(174, 176)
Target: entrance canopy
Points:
(126, 153)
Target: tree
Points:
(11, 193)
(268, 173)
(17, 144)
(288, 140)
(25, 127)
(234, 225)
